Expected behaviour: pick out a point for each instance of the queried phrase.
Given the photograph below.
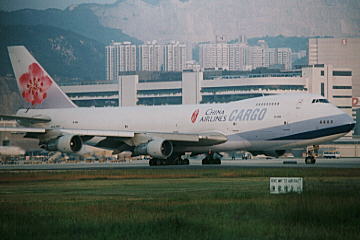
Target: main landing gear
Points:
(311, 153)
(310, 160)
(212, 158)
(172, 160)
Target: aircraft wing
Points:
(99, 133)
(203, 139)
(199, 139)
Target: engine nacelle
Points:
(66, 143)
(157, 148)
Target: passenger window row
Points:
(326, 121)
(268, 104)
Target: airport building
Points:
(340, 53)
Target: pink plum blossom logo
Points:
(194, 115)
(34, 84)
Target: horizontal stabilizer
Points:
(29, 120)
(22, 130)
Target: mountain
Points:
(295, 43)
(202, 20)
(69, 43)
(64, 54)
(9, 96)
(79, 20)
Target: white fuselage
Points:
(258, 124)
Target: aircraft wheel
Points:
(157, 162)
(186, 161)
(152, 162)
(310, 160)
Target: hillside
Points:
(9, 96)
(202, 20)
(295, 43)
(78, 20)
(64, 54)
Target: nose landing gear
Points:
(310, 160)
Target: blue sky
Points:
(10, 5)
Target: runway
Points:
(196, 164)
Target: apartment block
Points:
(150, 57)
(120, 57)
(174, 57)
(240, 56)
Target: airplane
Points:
(269, 125)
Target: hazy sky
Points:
(10, 5)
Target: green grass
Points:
(178, 204)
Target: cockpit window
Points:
(321, 100)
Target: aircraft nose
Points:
(352, 123)
(349, 121)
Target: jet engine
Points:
(157, 148)
(66, 143)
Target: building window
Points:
(322, 73)
(160, 91)
(322, 89)
(342, 96)
(93, 94)
(342, 87)
(342, 73)
(159, 100)
(253, 87)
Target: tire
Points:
(151, 162)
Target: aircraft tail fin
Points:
(36, 86)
